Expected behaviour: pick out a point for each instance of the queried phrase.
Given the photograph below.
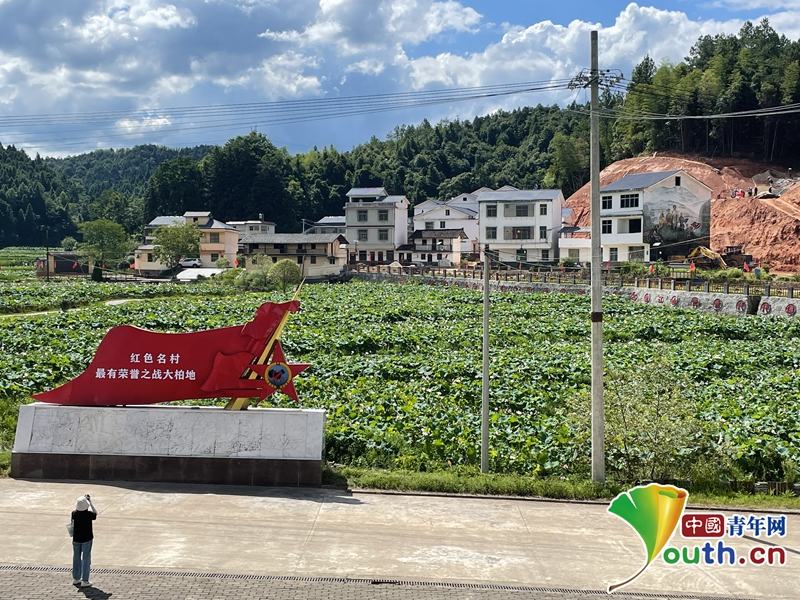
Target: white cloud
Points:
(547, 51)
(144, 125)
(128, 19)
(282, 76)
(368, 66)
(367, 26)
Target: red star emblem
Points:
(277, 374)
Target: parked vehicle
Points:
(190, 262)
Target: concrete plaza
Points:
(201, 537)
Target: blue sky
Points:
(115, 73)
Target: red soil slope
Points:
(769, 229)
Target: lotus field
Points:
(688, 395)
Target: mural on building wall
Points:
(674, 215)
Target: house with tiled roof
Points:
(217, 240)
(317, 254)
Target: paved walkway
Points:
(319, 533)
(107, 584)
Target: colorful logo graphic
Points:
(654, 511)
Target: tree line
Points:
(542, 146)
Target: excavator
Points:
(733, 256)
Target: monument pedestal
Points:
(273, 446)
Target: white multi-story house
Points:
(253, 226)
(460, 212)
(521, 225)
(644, 213)
(376, 224)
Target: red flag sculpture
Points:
(136, 366)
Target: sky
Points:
(77, 75)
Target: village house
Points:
(376, 225)
(460, 212)
(440, 247)
(646, 216)
(522, 226)
(217, 240)
(317, 254)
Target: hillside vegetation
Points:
(753, 70)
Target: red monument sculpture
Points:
(136, 366)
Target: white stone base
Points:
(171, 431)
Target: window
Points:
(442, 224)
(438, 257)
(574, 253)
(522, 255)
(390, 255)
(605, 226)
(428, 225)
(300, 247)
(542, 232)
(606, 203)
(331, 260)
(274, 259)
(424, 242)
(613, 254)
(299, 260)
(446, 212)
(313, 246)
(362, 255)
(522, 210)
(491, 233)
(214, 238)
(545, 254)
(543, 210)
(380, 256)
(362, 235)
(383, 215)
(214, 257)
(251, 228)
(517, 233)
(635, 226)
(383, 235)
(629, 201)
(491, 210)
(677, 182)
(313, 260)
(636, 254)
(149, 257)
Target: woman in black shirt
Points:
(82, 540)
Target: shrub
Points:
(222, 263)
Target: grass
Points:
(474, 483)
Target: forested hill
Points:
(36, 203)
(756, 70)
(126, 170)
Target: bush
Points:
(568, 262)
(633, 269)
(222, 263)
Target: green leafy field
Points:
(398, 370)
(31, 296)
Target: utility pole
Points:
(598, 410)
(485, 379)
(594, 78)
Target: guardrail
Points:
(777, 289)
